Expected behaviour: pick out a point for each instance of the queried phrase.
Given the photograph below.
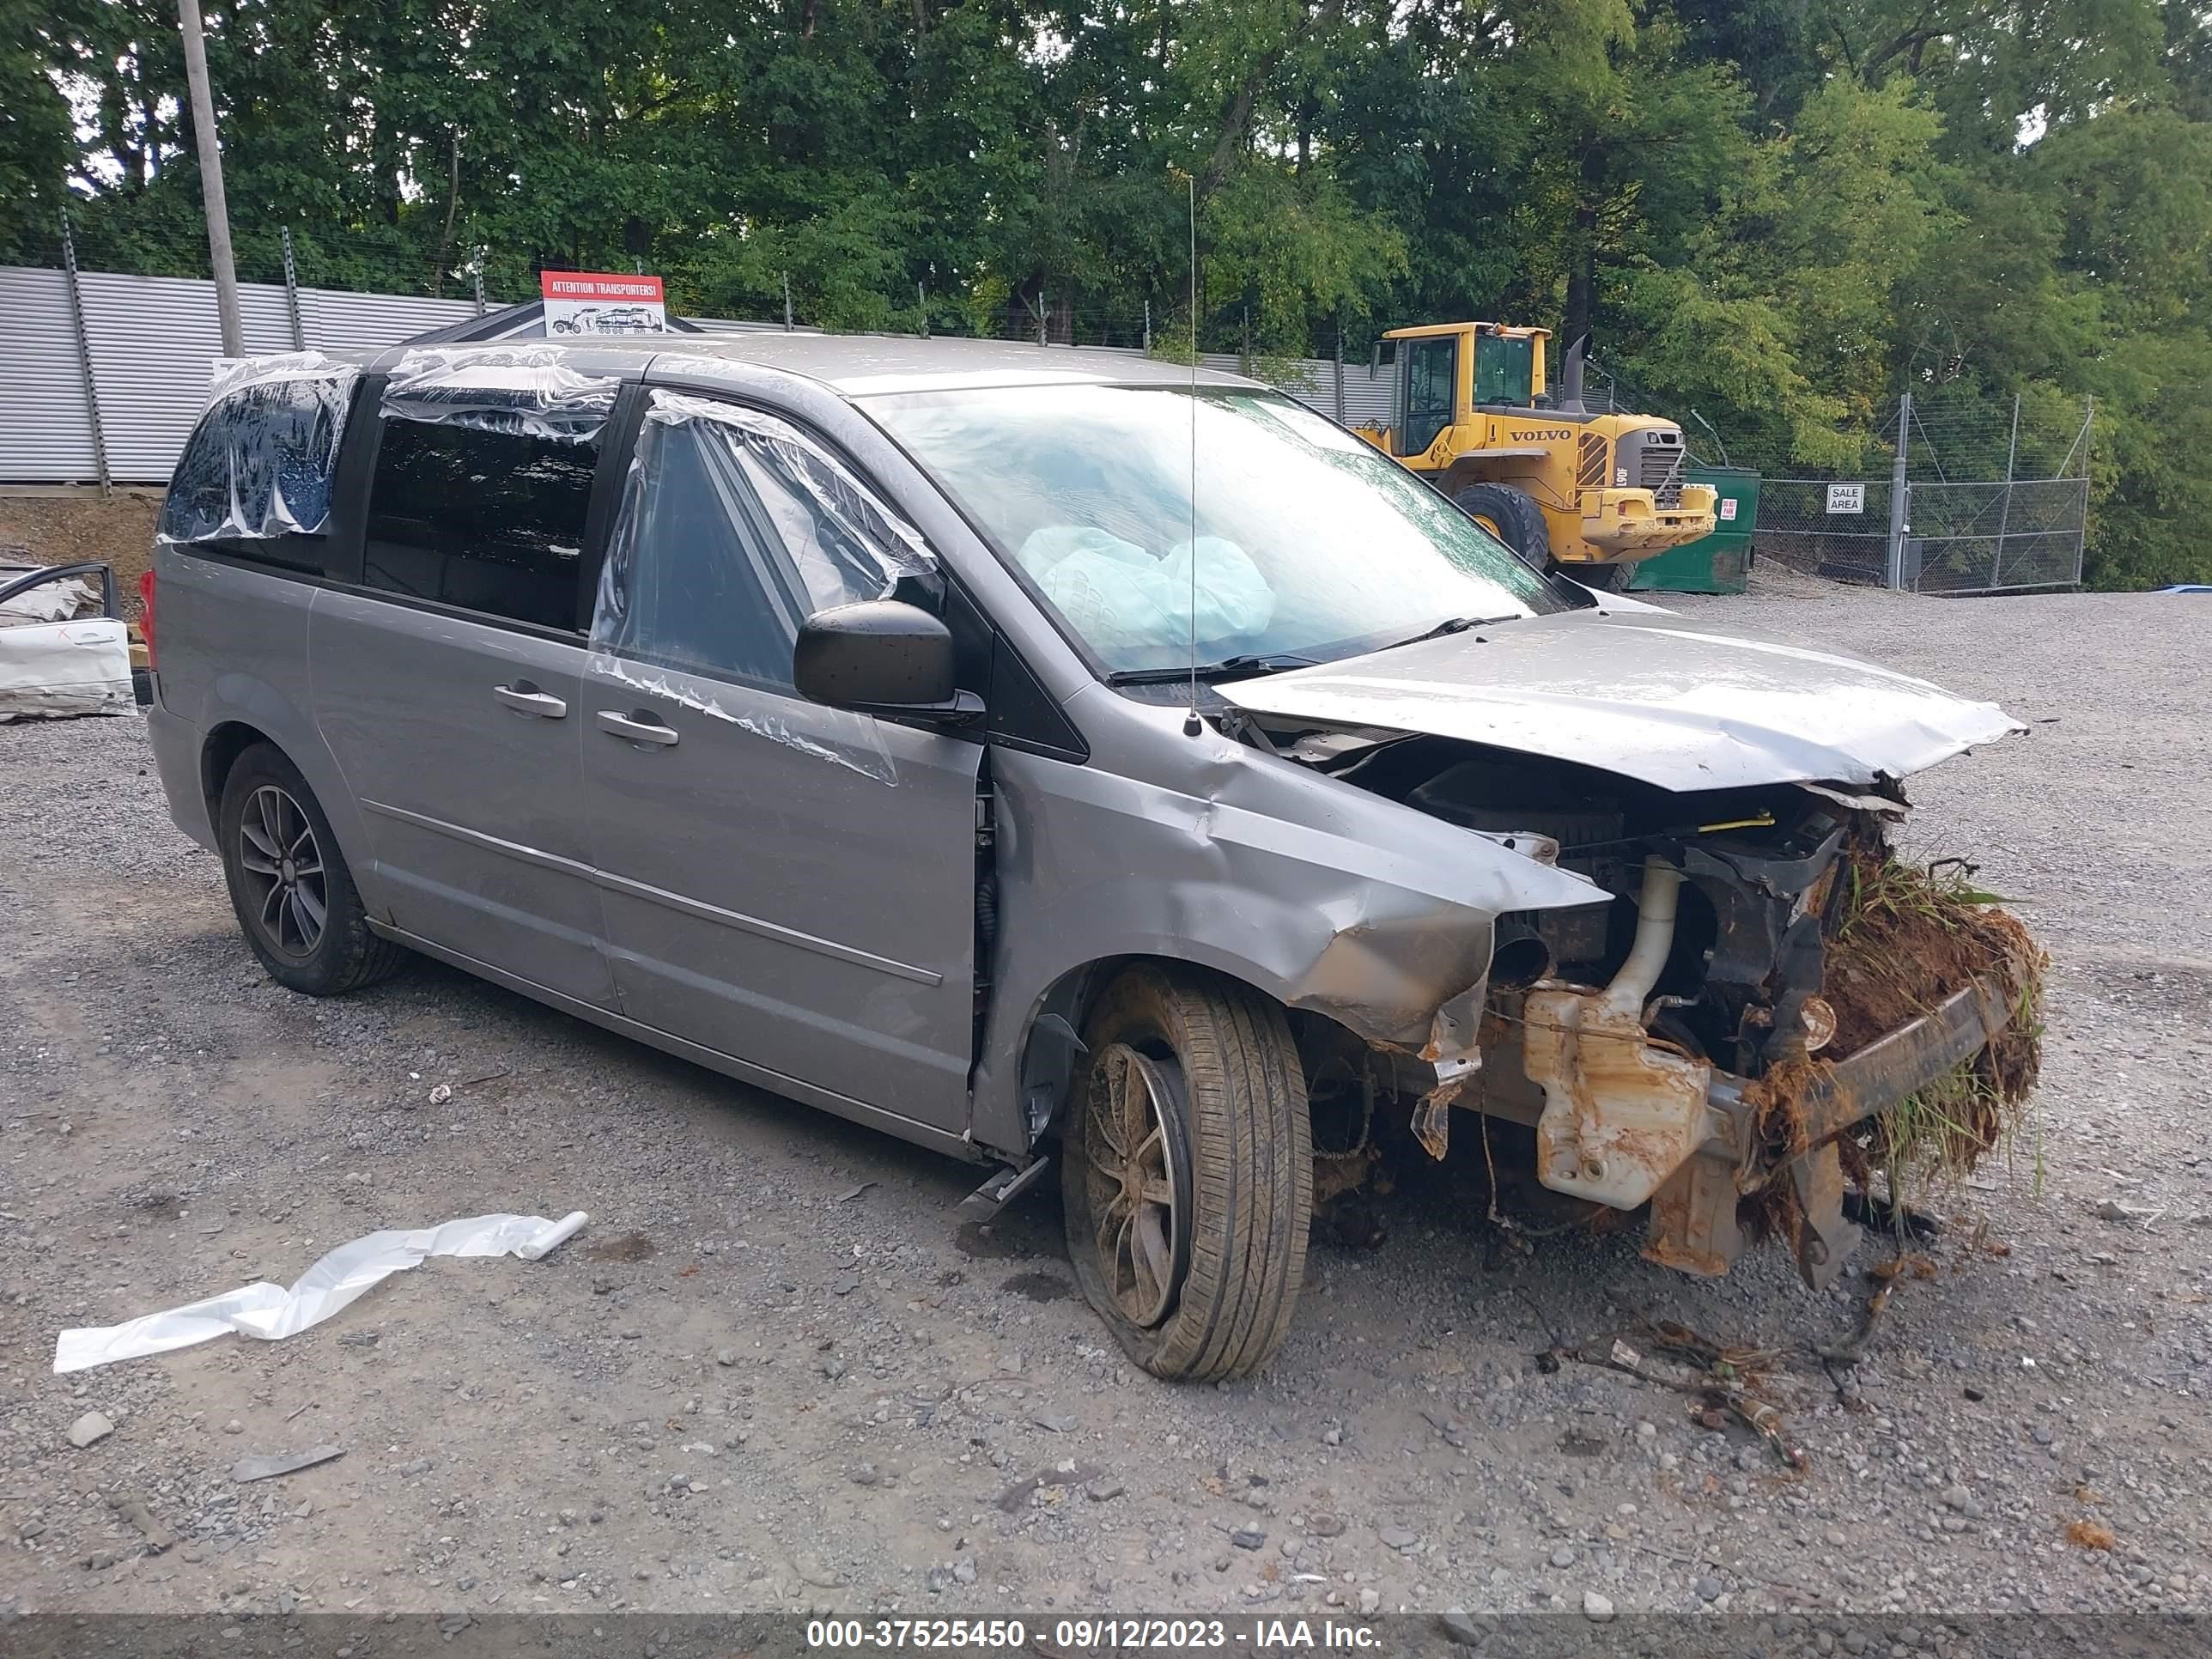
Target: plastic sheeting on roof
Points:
(523, 390)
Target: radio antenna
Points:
(1192, 726)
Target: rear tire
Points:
(1512, 516)
(1192, 1250)
(293, 897)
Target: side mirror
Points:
(880, 657)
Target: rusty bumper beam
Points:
(1910, 1057)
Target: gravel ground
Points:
(773, 1372)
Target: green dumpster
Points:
(1720, 563)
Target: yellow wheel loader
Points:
(1587, 494)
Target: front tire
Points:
(293, 897)
(1512, 516)
(1187, 1172)
(1611, 578)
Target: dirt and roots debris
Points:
(1905, 938)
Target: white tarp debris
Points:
(56, 601)
(273, 1313)
(61, 668)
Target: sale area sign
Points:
(597, 302)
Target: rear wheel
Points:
(289, 884)
(1512, 516)
(1188, 1173)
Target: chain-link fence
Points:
(1832, 527)
(1962, 494)
(1983, 537)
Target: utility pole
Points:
(218, 210)
(1892, 574)
(787, 302)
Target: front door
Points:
(1429, 393)
(448, 685)
(785, 884)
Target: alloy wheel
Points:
(1132, 1180)
(283, 865)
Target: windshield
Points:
(1309, 543)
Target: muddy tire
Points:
(1187, 1171)
(1512, 516)
(293, 897)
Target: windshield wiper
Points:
(1451, 625)
(1235, 667)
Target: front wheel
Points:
(1511, 515)
(1187, 1173)
(1600, 578)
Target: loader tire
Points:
(1512, 516)
(1187, 1172)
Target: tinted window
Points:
(489, 521)
(734, 529)
(258, 465)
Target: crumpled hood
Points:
(1647, 695)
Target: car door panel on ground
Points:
(448, 686)
(784, 883)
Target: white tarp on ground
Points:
(273, 1313)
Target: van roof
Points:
(867, 365)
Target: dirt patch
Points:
(630, 1247)
(1040, 1287)
(66, 529)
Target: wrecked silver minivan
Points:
(1073, 764)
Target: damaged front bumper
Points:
(1694, 1215)
(1627, 1118)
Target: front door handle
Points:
(638, 728)
(526, 699)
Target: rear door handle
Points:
(525, 698)
(638, 728)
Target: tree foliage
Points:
(1773, 215)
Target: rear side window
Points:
(258, 468)
(487, 520)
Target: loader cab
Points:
(1446, 371)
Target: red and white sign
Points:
(602, 302)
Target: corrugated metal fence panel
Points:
(336, 321)
(1312, 381)
(1366, 398)
(154, 343)
(45, 430)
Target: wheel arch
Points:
(227, 739)
(1049, 1060)
(219, 752)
